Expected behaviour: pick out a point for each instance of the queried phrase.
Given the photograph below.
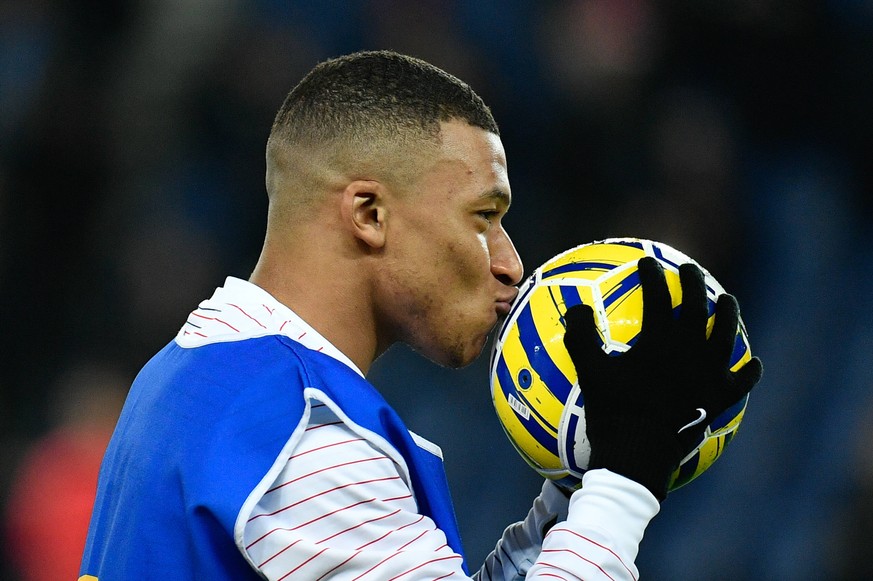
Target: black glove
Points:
(638, 405)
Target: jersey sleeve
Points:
(600, 538)
(593, 536)
(341, 507)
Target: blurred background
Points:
(740, 131)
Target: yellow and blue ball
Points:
(534, 385)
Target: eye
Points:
(488, 215)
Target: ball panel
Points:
(575, 449)
(539, 338)
(704, 456)
(621, 307)
(742, 351)
(588, 261)
(526, 423)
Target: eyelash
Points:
(489, 214)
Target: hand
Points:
(638, 405)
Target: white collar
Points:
(242, 310)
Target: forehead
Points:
(473, 159)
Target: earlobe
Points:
(363, 211)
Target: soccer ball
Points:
(533, 381)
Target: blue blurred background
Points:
(740, 131)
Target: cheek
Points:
(484, 251)
(470, 262)
(483, 242)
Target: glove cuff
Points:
(641, 452)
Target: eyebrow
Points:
(497, 194)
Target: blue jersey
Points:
(199, 431)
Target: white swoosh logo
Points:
(702, 417)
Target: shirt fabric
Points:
(250, 447)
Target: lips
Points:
(504, 303)
(502, 308)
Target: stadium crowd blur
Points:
(131, 182)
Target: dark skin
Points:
(427, 262)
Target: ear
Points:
(364, 211)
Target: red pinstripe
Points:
(349, 463)
(407, 572)
(577, 555)
(288, 574)
(318, 518)
(596, 544)
(267, 534)
(372, 520)
(277, 554)
(331, 445)
(240, 309)
(322, 493)
(421, 534)
(309, 522)
(217, 320)
(338, 566)
(194, 333)
(398, 529)
(382, 562)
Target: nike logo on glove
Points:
(702, 417)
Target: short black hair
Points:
(376, 91)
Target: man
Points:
(252, 446)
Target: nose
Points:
(506, 264)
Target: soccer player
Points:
(252, 446)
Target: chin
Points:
(454, 354)
(464, 355)
(455, 357)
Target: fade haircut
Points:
(377, 91)
(364, 112)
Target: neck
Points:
(322, 289)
